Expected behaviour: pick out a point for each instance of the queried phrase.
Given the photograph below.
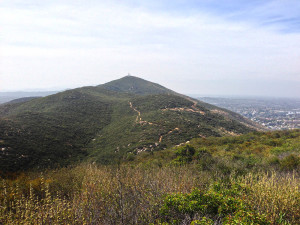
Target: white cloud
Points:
(69, 45)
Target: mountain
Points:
(9, 96)
(19, 100)
(106, 123)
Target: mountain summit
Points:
(106, 123)
(136, 85)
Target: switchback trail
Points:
(171, 131)
(138, 117)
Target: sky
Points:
(208, 47)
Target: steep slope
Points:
(105, 123)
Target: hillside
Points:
(106, 123)
(257, 151)
(247, 179)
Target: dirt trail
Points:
(195, 103)
(171, 131)
(138, 117)
(186, 109)
(194, 106)
(140, 121)
(192, 109)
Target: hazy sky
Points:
(208, 47)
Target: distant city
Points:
(274, 113)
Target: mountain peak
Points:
(108, 125)
(135, 85)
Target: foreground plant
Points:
(88, 194)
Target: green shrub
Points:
(217, 202)
(204, 159)
(290, 162)
(273, 161)
(243, 217)
(186, 150)
(184, 155)
(130, 157)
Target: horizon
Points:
(194, 95)
(210, 47)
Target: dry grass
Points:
(276, 195)
(106, 196)
(88, 194)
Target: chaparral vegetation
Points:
(247, 179)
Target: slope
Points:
(136, 85)
(52, 130)
(155, 122)
(106, 123)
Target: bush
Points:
(87, 194)
(273, 161)
(205, 160)
(186, 151)
(290, 162)
(184, 155)
(217, 202)
(245, 217)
